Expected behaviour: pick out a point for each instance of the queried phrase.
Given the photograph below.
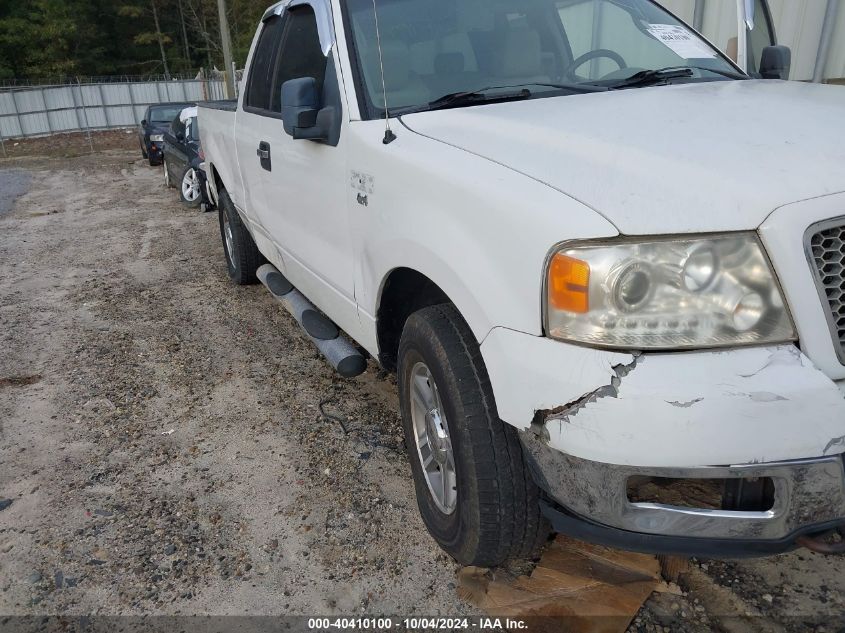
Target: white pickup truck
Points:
(605, 263)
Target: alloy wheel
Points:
(433, 441)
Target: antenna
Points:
(389, 136)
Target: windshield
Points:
(433, 48)
(165, 114)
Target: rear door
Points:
(174, 155)
(255, 124)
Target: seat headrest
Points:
(521, 54)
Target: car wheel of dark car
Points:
(190, 188)
(143, 151)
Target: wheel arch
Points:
(403, 291)
(216, 183)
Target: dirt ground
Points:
(70, 145)
(163, 446)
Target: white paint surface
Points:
(674, 159)
(710, 409)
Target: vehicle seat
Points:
(404, 87)
(520, 59)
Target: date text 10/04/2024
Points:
(416, 623)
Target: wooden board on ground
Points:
(590, 588)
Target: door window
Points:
(257, 95)
(300, 53)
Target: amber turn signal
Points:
(569, 284)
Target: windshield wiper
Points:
(471, 97)
(651, 77)
(476, 96)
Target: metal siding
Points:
(836, 62)
(684, 9)
(38, 111)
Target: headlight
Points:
(666, 294)
(157, 138)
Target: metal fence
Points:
(44, 110)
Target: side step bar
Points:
(340, 353)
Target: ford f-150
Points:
(605, 262)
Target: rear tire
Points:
(242, 255)
(143, 151)
(190, 188)
(496, 513)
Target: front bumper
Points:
(591, 419)
(591, 500)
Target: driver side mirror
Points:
(180, 136)
(776, 62)
(143, 121)
(301, 113)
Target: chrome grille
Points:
(827, 249)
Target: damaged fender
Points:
(710, 408)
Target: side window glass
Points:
(260, 73)
(300, 53)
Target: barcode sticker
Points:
(682, 41)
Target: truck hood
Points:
(716, 156)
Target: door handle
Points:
(263, 153)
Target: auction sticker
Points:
(682, 41)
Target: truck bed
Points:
(217, 134)
(228, 105)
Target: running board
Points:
(340, 353)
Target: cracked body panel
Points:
(711, 408)
(693, 409)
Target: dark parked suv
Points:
(151, 132)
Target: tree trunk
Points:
(185, 35)
(160, 40)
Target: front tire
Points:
(474, 491)
(242, 255)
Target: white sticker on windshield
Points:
(682, 42)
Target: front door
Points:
(306, 205)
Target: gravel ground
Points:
(164, 451)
